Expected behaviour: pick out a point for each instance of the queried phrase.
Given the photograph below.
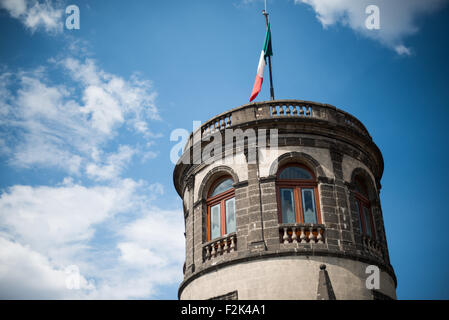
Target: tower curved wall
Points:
(266, 257)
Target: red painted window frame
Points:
(363, 201)
(297, 185)
(218, 199)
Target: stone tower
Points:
(295, 214)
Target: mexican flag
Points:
(266, 51)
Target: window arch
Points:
(220, 202)
(363, 207)
(297, 195)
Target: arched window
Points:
(297, 195)
(221, 208)
(363, 207)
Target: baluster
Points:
(301, 111)
(232, 243)
(226, 247)
(302, 236)
(308, 112)
(294, 237)
(285, 237)
(287, 110)
(295, 111)
(207, 252)
(319, 236)
(311, 236)
(220, 248)
(213, 252)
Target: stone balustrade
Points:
(220, 246)
(278, 109)
(291, 110)
(372, 246)
(301, 233)
(220, 122)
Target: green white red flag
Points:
(266, 51)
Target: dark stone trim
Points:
(198, 203)
(210, 175)
(326, 180)
(367, 149)
(349, 185)
(297, 157)
(377, 295)
(240, 184)
(270, 178)
(277, 254)
(233, 295)
(368, 153)
(369, 180)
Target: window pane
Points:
(215, 226)
(222, 187)
(368, 226)
(308, 206)
(230, 215)
(357, 208)
(295, 173)
(288, 206)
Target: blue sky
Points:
(86, 117)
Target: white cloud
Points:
(136, 256)
(47, 229)
(72, 115)
(27, 274)
(113, 165)
(402, 50)
(65, 125)
(34, 14)
(16, 8)
(166, 226)
(50, 217)
(397, 17)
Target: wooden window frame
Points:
(363, 201)
(219, 199)
(297, 185)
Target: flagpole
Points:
(269, 59)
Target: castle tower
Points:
(294, 214)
